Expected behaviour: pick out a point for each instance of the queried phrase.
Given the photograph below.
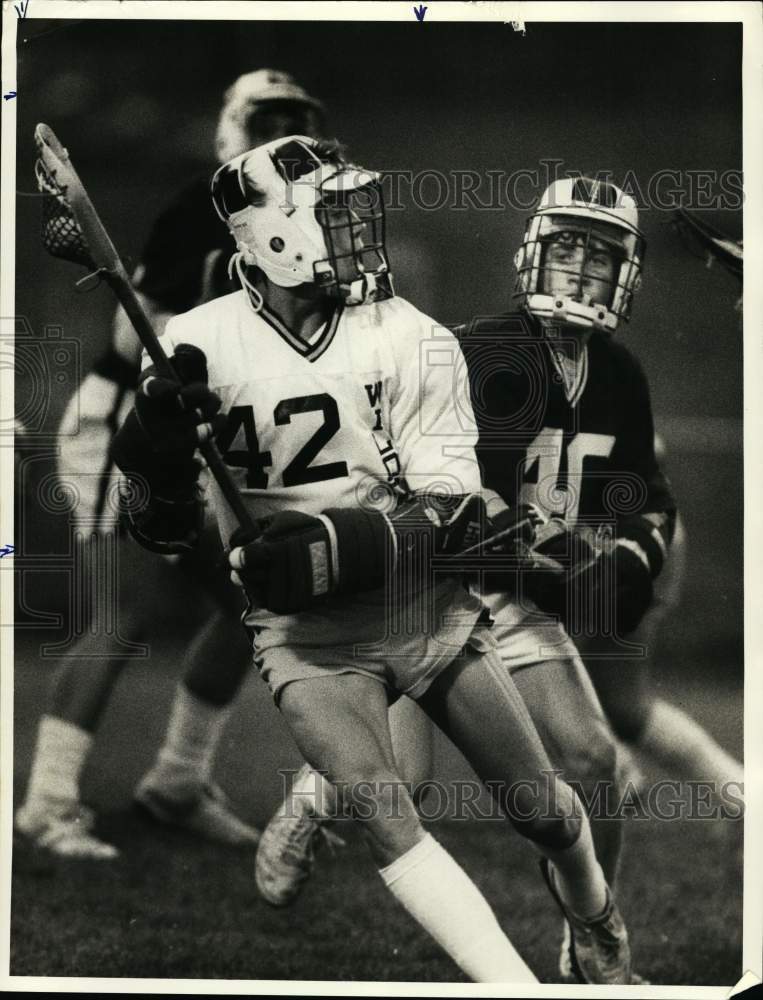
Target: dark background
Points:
(136, 102)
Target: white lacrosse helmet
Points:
(602, 214)
(296, 210)
(246, 105)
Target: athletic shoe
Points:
(598, 948)
(206, 812)
(64, 830)
(565, 961)
(286, 854)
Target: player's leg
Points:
(621, 684)
(547, 670)
(653, 726)
(310, 795)
(413, 742)
(52, 814)
(178, 788)
(475, 702)
(566, 712)
(340, 725)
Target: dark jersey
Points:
(185, 260)
(578, 443)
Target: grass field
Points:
(174, 907)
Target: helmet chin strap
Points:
(254, 296)
(368, 288)
(361, 291)
(557, 310)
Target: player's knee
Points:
(546, 812)
(554, 832)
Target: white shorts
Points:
(86, 472)
(281, 665)
(525, 635)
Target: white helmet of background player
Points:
(303, 215)
(262, 105)
(592, 216)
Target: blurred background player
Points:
(184, 263)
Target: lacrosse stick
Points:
(711, 242)
(530, 520)
(72, 230)
(512, 542)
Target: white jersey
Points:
(375, 405)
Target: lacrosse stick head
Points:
(62, 234)
(71, 228)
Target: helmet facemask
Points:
(350, 212)
(302, 215)
(575, 254)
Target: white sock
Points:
(193, 733)
(312, 792)
(442, 898)
(58, 760)
(677, 740)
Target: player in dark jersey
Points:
(566, 425)
(570, 468)
(183, 265)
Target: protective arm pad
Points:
(649, 536)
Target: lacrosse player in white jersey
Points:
(182, 265)
(348, 449)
